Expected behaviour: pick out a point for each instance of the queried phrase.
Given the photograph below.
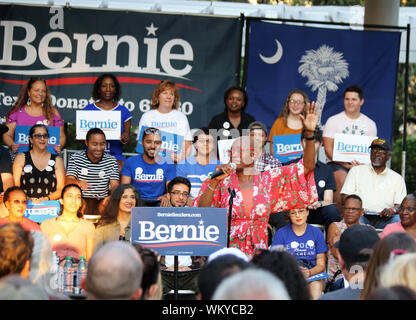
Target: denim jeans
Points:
(377, 221)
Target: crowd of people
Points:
(306, 229)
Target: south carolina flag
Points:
(323, 63)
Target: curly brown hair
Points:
(48, 109)
(163, 85)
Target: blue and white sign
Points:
(171, 143)
(322, 275)
(348, 147)
(108, 121)
(287, 147)
(22, 138)
(189, 231)
(38, 212)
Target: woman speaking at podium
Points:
(257, 194)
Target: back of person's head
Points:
(285, 266)
(400, 270)
(16, 245)
(251, 284)
(215, 271)
(151, 272)
(41, 261)
(14, 287)
(380, 256)
(392, 293)
(114, 273)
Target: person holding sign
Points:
(40, 173)
(106, 94)
(349, 121)
(33, 105)
(257, 194)
(15, 200)
(290, 121)
(166, 116)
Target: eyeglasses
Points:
(41, 136)
(151, 130)
(300, 212)
(351, 209)
(296, 102)
(178, 193)
(408, 209)
(381, 151)
(17, 202)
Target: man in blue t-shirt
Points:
(149, 173)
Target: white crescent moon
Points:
(276, 57)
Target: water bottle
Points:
(81, 273)
(68, 276)
(55, 274)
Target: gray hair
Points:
(251, 284)
(115, 271)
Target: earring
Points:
(28, 101)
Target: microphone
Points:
(220, 172)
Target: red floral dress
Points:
(275, 190)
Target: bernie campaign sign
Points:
(191, 231)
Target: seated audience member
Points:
(381, 254)
(178, 192)
(16, 245)
(115, 221)
(14, 287)
(197, 168)
(381, 189)
(151, 281)
(400, 271)
(284, 266)
(94, 171)
(307, 244)
(354, 248)
(15, 201)
(38, 172)
(289, 120)
(352, 211)
(251, 284)
(216, 270)
(69, 234)
(349, 121)
(6, 171)
(264, 161)
(148, 172)
(393, 293)
(407, 214)
(115, 272)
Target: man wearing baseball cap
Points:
(355, 248)
(381, 189)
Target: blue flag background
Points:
(366, 58)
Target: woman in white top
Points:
(165, 116)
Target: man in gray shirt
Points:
(354, 248)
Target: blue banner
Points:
(191, 231)
(22, 138)
(323, 63)
(287, 147)
(38, 212)
(171, 143)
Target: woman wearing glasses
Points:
(115, 220)
(33, 105)
(290, 121)
(307, 244)
(40, 173)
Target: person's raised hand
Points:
(310, 121)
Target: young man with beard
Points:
(381, 189)
(149, 173)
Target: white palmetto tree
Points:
(324, 68)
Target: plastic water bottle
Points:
(55, 272)
(68, 275)
(81, 273)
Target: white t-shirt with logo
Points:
(341, 123)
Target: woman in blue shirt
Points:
(307, 244)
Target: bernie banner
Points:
(323, 63)
(185, 231)
(71, 47)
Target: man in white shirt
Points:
(349, 121)
(381, 189)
